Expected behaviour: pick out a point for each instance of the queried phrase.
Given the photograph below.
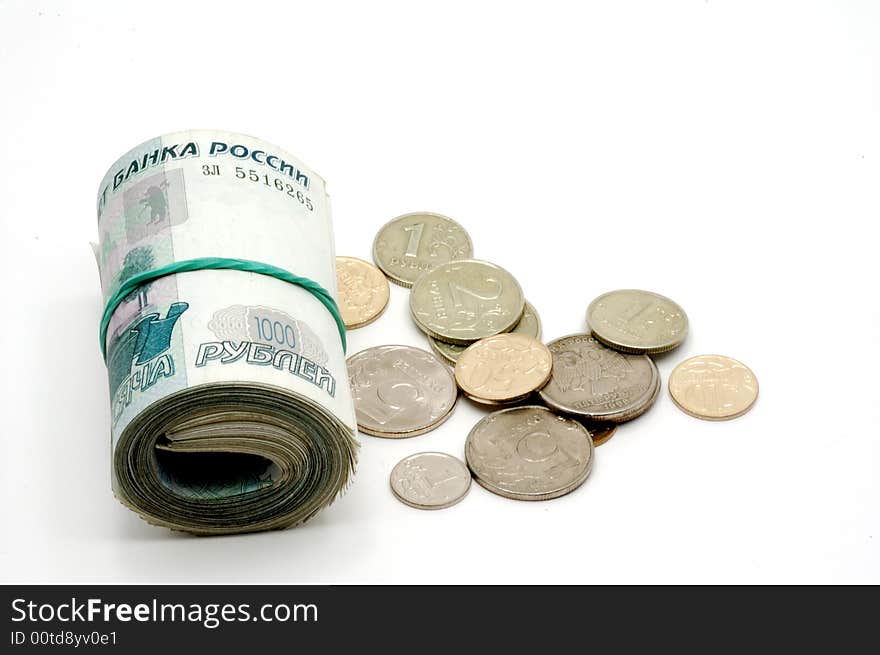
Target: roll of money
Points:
(230, 404)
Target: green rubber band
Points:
(213, 263)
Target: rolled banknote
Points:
(230, 404)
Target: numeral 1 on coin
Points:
(415, 236)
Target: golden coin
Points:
(713, 387)
(601, 432)
(503, 368)
(363, 291)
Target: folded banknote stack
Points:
(230, 405)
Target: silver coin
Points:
(529, 453)
(400, 391)
(598, 383)
(529, 325)
(637, 321)
(430, 480)
(464, 301)
(412, 244)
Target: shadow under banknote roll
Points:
(230, 403)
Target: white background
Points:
(725, 154)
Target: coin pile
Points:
(553, 403)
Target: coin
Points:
(529, 324)
(430, 480)
(601, 432)
(637, 321)
(412, 244)
(400, 391)
(598, 383)
(464, 301)
(713, 387)
(529, 453)
(363, 291)
(503, 368)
